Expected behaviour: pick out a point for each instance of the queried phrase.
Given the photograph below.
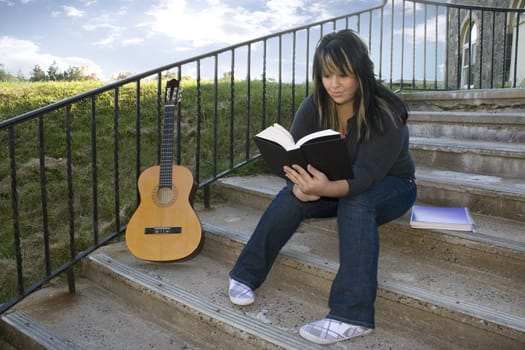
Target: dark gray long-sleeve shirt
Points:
(382, 155)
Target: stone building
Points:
(486, 48)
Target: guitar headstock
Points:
(173, 93)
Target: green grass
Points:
(17, 98)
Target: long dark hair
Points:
(344, 52)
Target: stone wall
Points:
(492, 63)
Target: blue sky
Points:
(116, 36)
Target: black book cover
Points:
(328, 154)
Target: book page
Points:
(278, 134)
(315, 135)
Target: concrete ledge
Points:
(35, 335)
(489, 99)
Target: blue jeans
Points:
(354, 288)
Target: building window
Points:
(469, 40)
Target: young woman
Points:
(347, 98)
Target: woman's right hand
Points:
(303, 197)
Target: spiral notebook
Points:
(441, 218)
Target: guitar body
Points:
(164, 227)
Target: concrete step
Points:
(500, 199)
(497, 245)
(191, 298)
(490, 100)
(489, 195)
(490, 126)
(93, 318)
(477, 276)
(444, 291)
(185, 305)
(480, 157)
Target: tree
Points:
(53, 73)
(74, 74)
(37, 74)
(5, 76)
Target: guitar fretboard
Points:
(166, 148)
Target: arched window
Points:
(469, 41)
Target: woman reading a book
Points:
(347, 98)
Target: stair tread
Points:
(94, 318)
(489, 229)
(497, 117)
(279, 310)
(464, 285)
(509, 186)
(474, 146)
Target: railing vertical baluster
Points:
(460, 50)
(215, 114)
(492, 50)
(402, 46)
(116, 156)
(178, 155)
(469, 74)
(504, 65)
(516, 40)
(392, 46)
(43, 194)
(436, 48)
(481, 40)
(280, 88)
(248, 100)
(425, 48)
(307, 80)
(199, 121)
(16, 214)
(264, 83)
(414, 45)
(232, 106)
(94, 172)
(137, 137)
(380, 74)
(159, 113)
(70, 200)
(294, 57)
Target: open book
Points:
(325, 150)
(445, 218)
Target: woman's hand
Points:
(312, 184)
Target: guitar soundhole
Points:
(164, 196)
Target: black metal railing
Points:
(68, 170)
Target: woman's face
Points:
(341, 88)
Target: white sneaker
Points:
(240, 294)
(328, 331)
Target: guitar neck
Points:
(166, 149)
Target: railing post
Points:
(70, 200)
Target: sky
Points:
(133, 36)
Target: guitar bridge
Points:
(163, 230)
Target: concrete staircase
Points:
(437, 289)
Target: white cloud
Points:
(71, 11)
(201, 23)
(428, 28)
(22, 55)
(132, 41)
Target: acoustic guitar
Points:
(165, 227)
